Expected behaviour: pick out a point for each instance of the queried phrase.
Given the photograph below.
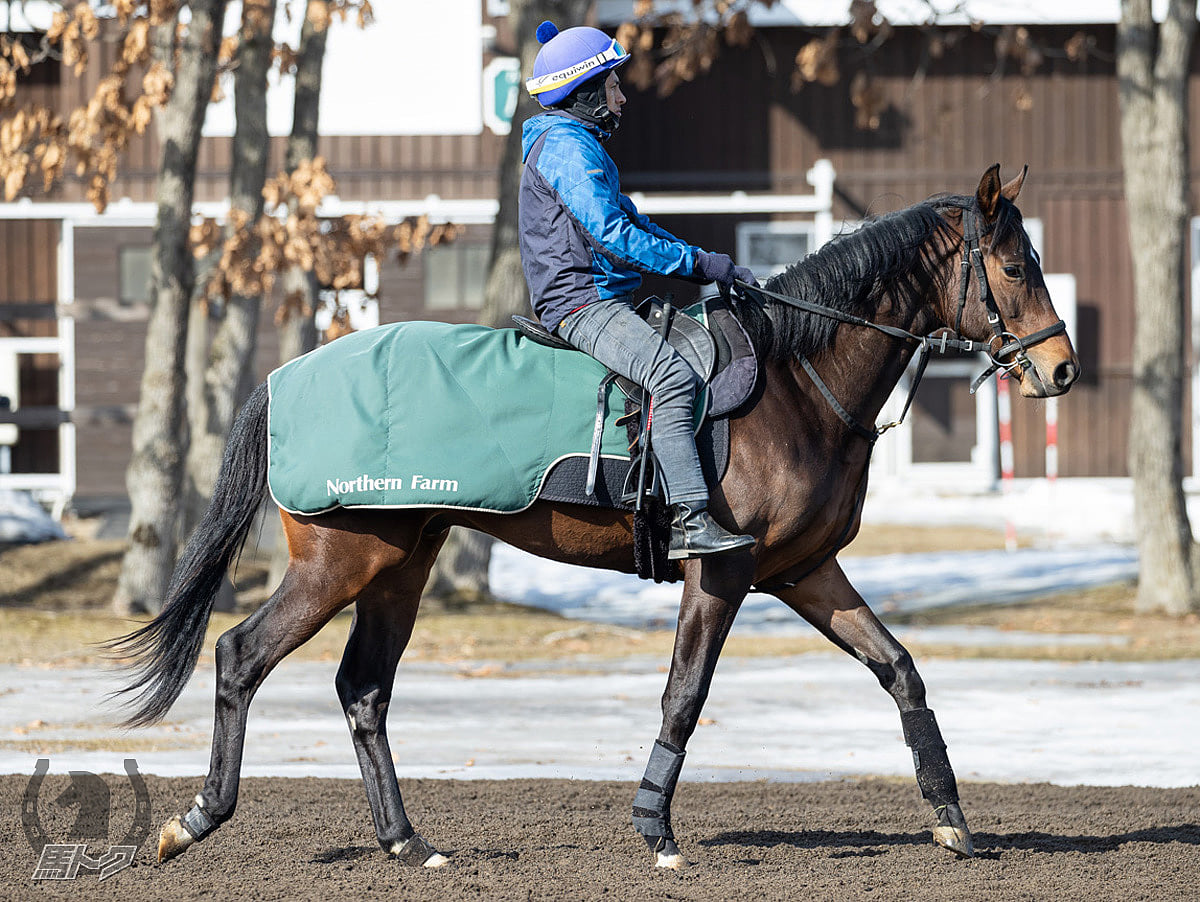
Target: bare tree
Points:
(461, 570)
(229, 372)
(156, 468)
(505, 292)
(297, 329)
(297, 326)
(45, 146)
(1153, 63)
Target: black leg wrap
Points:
(415, 851)
(935, 777)
(198, 823)
(652, 804)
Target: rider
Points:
(583, 247)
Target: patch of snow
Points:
(809, 717)
(890, 584)
(23, 520)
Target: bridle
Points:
(1002, 343)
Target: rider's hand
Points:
(720, 268)
(743, 274)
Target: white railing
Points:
(55, 488)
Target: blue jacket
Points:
(581, 239)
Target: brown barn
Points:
(739, 128)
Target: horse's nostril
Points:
(1065, 374)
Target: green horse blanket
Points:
(431, 415)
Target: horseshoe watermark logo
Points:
(91, 795)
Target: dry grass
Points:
(54, 613)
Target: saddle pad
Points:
(420, 414)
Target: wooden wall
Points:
(740, 127)
(743, 127)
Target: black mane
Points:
(890, 259)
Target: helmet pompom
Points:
(546, 31)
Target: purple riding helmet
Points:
(570, 58)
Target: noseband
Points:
(1001, 344)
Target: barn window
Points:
(134, 274)
(769, 248)
(455, 275)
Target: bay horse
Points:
(795, 481)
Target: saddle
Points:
(707, 335)
(711, 339)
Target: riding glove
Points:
(721, 269)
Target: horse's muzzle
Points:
(1035, 384)
(1064, 376)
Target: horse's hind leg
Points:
(828, 601)
(383, 623)
(328, 570)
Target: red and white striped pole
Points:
(1051, 463)
(1051, 440)
(1004, 406)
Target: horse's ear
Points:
(1013, 188)
(988, 194)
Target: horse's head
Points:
(1006, 302)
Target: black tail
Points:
(164, 651)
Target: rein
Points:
(1001, 344)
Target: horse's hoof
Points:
(674, 861)
(956, 839)
(174, 840)
(416, 853)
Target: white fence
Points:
(55, 488)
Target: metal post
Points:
(1006, 460)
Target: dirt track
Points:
(309, 839)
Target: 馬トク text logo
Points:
(92, 797)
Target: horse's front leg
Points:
(828, 601)
(712, 593)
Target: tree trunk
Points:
(505, 292)
(1152, 68)
(461, 569)
(460, 574)
(156, 466)
(297, 328)
(230, 373)
(195, 362)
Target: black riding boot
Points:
(694, 532)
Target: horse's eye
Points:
(1013, 271)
